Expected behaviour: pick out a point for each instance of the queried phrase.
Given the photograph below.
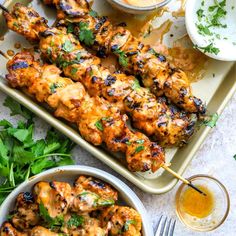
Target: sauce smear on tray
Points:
(143, 3)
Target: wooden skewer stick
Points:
(185, 181)
(4, 8)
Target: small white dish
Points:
(123, 6)
(222, 40)
(69, 174)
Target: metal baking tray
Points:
(214, 90)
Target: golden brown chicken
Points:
(98, 121)
(122, 221)
(135, 57)
(154, 117)
(57, 213)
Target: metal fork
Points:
(165, 226)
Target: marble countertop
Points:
(215, 158)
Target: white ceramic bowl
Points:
(226, 40)
(69, 174)
(121, 5)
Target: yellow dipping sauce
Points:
(196, 204)
(143, 3)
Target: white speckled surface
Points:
(215, 158)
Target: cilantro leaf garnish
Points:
(67, 46)
(128, 223)
(139, 149)
(211, 122)
(123, 59)
(75, 221)
(99, 125)
(93, 13)
(209, 48)
(86, 35)
(136, 84)
(21, 156)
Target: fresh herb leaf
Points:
(139, 149)
(74, 71)
(21, 156)
(86, 35)
(54, 86)
(99, 125)
(70, 28)
(93, 13)
(140, 141)
(234, 156)
(203, 30)
(67, 46)
(136, 85)
(128, 223)
(123, 59)
(17, 109)
(75, 221)
(211, 122)
(200, 14)
(209, 48)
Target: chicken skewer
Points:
(166, 124)
(38, 26)
(61, 201)
(135, 57)
(98, 121)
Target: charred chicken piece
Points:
(8, 230)
(91, 194)
(165, 124)
(26, 213)
(122, 221)
(97, 120)
(141, 60)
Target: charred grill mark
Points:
(97, 183)
(114, 47)
(110, 80)
(28, 197)
(46, 33)
(94, 79)
(52, 185)
(122, 24)
(111, 92)
(20, 65)
(101, 22)
(132, 53)
(101, 52)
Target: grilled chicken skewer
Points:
(166, 124)
(61, 201)
(98, 121)
(137, 58)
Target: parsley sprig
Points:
(86, 35)
(21, 156)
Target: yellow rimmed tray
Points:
(215, 90)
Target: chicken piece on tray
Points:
(165, 124)
(137, 58)
(97, 120)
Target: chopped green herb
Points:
(67, 46)
(93, 13)
(74, 71)
(15, 24)
(99, 125)
(54, 86)
(104, 202)
(78, 56)
(234, 156)
(139, 149)
(209, 48)
(200, 14)
(75, 221)
(232, 7)
(51, 222)
(211, 122)
(128, 143)
(203, 30)
(123, 59)
(140, 141)
(86, 35)
(128, 223)
(70, 28)
(136, 84)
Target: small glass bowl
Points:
(219, 212)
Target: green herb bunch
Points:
(21, 156)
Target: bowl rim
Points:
(225, 192)
(120, 186)
(137, 8)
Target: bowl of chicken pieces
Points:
(73, 200)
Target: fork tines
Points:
(165, 226)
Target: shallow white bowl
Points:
(122, 6)
(227, 48)
(69, 174)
